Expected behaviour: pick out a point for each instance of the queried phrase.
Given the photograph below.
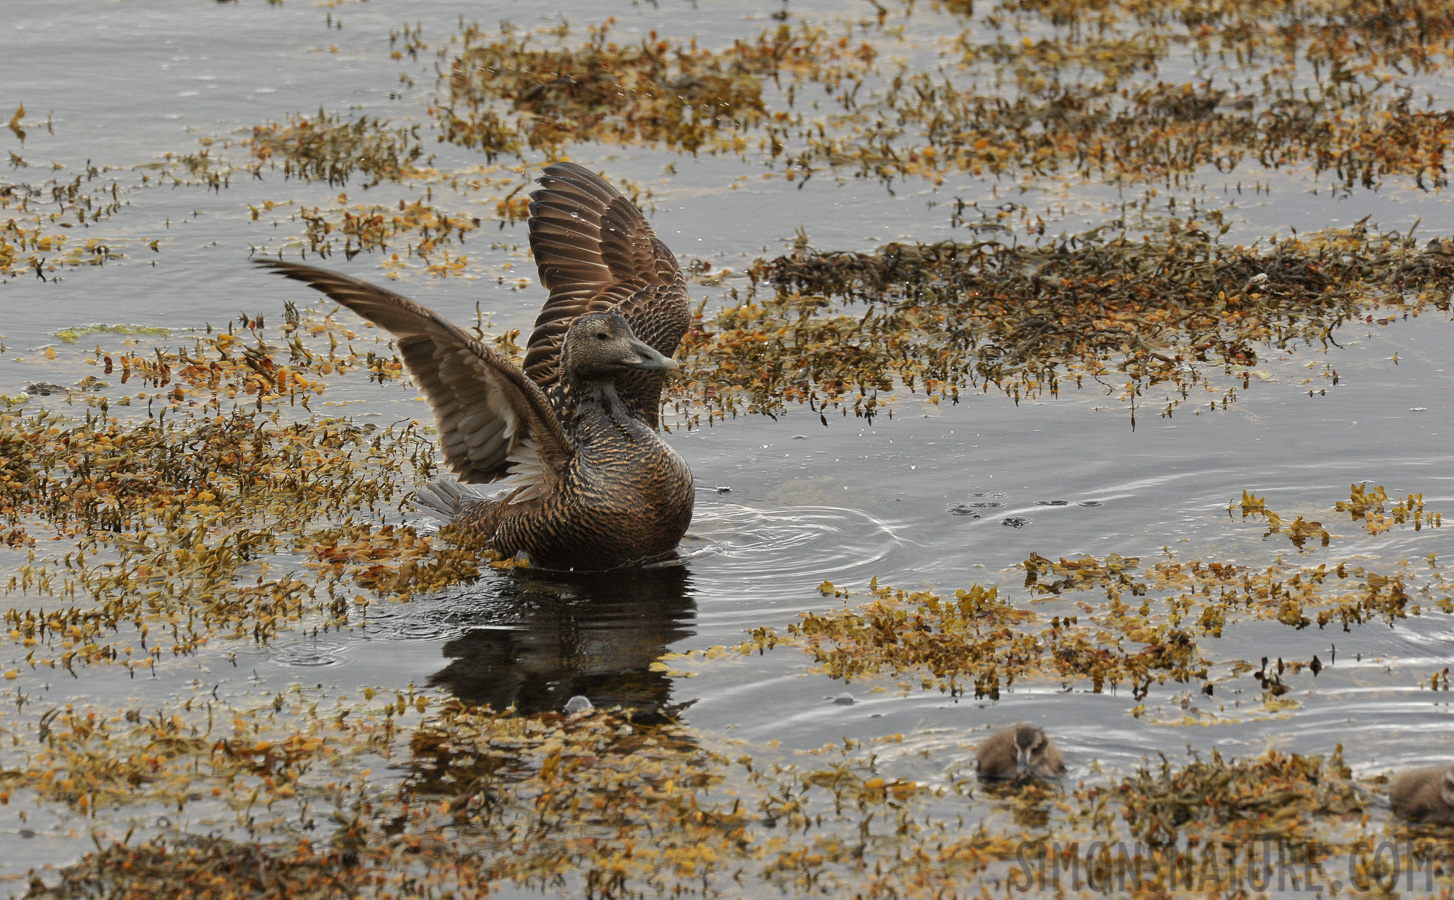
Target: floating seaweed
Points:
(496, 800)
(999, 103)
(425, 230)
(326, 148)
(659, 91)
(982, 640)
(1126, 314)
(198, 495)
(1279, 795)
(1147, 631)
(34, 237)
(173, 520)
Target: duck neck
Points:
(584, 403)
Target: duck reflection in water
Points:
(557, 635)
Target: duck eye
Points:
(602, 336)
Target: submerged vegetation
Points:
(1087, 98)
(1149, 627)
(847, 329)
(192, 495)
(142, 540)
(495, 801)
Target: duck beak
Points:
(647, 358)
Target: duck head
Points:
(600, 346)
(1030, 744)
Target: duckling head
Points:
(600, 346)
(1030, 744)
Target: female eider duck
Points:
(573, 433)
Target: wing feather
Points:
(595, 252)
(493, 421)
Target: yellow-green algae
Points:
(72, 335)
(154, 534)
(845, 330)
(606, 806)
(1059, 90)
(600, 806)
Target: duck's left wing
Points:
(493, 421)
(596, 252)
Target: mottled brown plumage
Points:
(595, 251)
(593, 486)
(573, 432)
(484, 405)
(1424, 795)
(624, 495)
(1019, 752)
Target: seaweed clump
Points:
(181, 508)
(1278, 795)
(659, 91)
(1126, 314)
(1086, 97)
(601, 805)
(208, 868)
(427, 231)
(329, 149)
(981, 640)
(1146, 630)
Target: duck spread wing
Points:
(493, 421)
(595, 252)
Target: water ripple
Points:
(310, 655)
(780, 550)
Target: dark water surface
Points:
(934, 497)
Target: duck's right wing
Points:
(493, 421)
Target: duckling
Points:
(1424, 795)
(1020, 752)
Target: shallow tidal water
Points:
(933, 496)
